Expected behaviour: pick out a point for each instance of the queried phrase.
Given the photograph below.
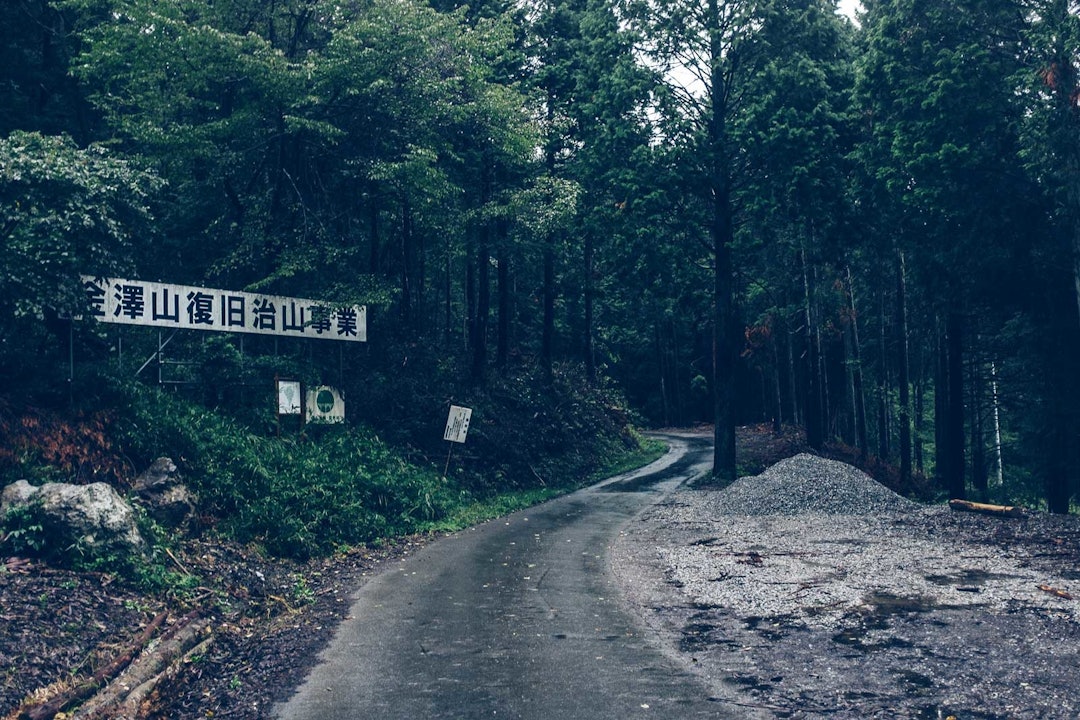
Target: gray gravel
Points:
(808, 484)
(821, 593)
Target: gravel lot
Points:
(820, 593)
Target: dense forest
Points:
(738, 211)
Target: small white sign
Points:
(325, 404)
(288, 397)
(457, 424)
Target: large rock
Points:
(166, 498)
(93, 516)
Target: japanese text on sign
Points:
(457, 424)
(134, 302)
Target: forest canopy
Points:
(735, 211)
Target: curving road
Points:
(517, 618)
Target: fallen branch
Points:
(18, 565)
(49, 709)
(985, 509)
(1056, 592)
(132, 704)
(177, 562)
(172, 644)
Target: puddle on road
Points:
(880, 609)
(968, 580)
(752, 683)
(700, 633)
(915, 681)
(771, 628)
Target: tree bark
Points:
(725, 338)
(406, 259)
(815, 433)
(470, 301)
(590, 357)
(953, 470)
(502, 355)
(904, 363)
(793, 379)
(483, 302)
(996, 400)
(920, 389)
(883, 386)
(373, 232)
(100, 677)
(547, 340)
(857, 373)
(665, 404)
(979, 473)
(941, 394)
(778, 412)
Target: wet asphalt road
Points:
(518, 618)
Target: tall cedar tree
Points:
(935, 87)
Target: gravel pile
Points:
(809, 484)
(825, 595)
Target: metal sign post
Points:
(457, 428)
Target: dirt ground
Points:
(920, 615)
(269, 618)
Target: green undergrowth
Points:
(307, 495)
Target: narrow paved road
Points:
(518, 618)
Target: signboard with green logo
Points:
(325, 404)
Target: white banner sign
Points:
(163, 305)
(457, 425)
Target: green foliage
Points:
(64, 211)
(23, 531)
(297, 496)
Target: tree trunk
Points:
(483, 302)
(848, 434)
(590, 358)
(778, 412)
(940, 393)
(373, 232)
(470, 302)
(793, 381)
(664, 402)
(996, 400)
(979, 474)
(1058, 490)
(883, 386)
(920, 389)
(953, 471)
(406, 257)
(679, 405)
(503, 349)
(904, 363)
(725, 337)
(547, 339)
(448, 308)
(815, 433)
(856, 372)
